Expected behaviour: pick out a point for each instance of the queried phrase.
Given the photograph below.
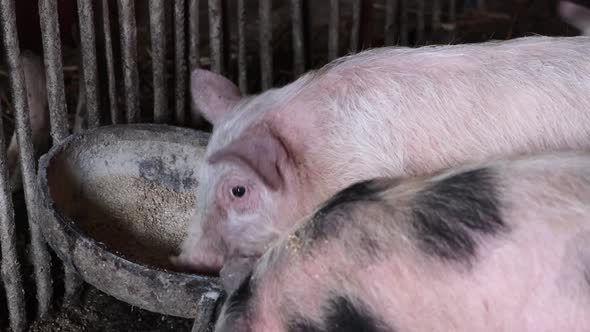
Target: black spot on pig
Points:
(329, 219)
(303, 325)
(340, 315)
(451, 215)
(344, 316)
(237, 303)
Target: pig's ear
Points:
(213, 94)
(259, 149)
(576, 15)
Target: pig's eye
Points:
(238, 191)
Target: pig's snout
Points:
(205, 263)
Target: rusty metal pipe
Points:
(40, 254)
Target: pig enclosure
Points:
(135, 64)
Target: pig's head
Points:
(248, 183)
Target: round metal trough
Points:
(115, 204)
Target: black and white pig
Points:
(275, 157)
(495, 246)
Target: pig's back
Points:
(414, 111)
(531, 275)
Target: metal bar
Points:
(41, 258)
(420, 22)
(452, 10)
(180, 62)
(87, 34)
(129, 53)
(108, 43)
(333, 29)
(481, 5)
(11, 276)
(228, 65)
(366, 24)
(298, 45)
(73, 284)
(390, 12)
(194, 35)
(53, 70)
(436, 14)
(404, 22)
(158, 43)
(265, 30)
(242, 62)
(56, 93)
(205, 315)
(355, 32)
(216, 35)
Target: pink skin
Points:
(533, 278)
(385, 112)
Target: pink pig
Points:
(496, 246)
(275, 157)
(34, 75)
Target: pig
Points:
(576, 13)
(500, 245)
(274, 157)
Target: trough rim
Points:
(54, 221)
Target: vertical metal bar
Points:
(87, 34)
(11, 275)
(298, 45)
(452, 10)
(355, 32)
(180, 62)
(205, 314)
(265, 46)
(404, 22)
(242, 63)
(334, 25)
(194, 35)
(420, 22)
(108, 43)
(228, 65)
(390, 12)
(436, 14)
(41, 258)
(158, 43)
(366, 24)
(73, 284)
(53, 69)
(56, 97)
(216, 35)
(129, 52)
(481, 5)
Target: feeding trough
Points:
(116, 203)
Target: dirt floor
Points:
(100, 312)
